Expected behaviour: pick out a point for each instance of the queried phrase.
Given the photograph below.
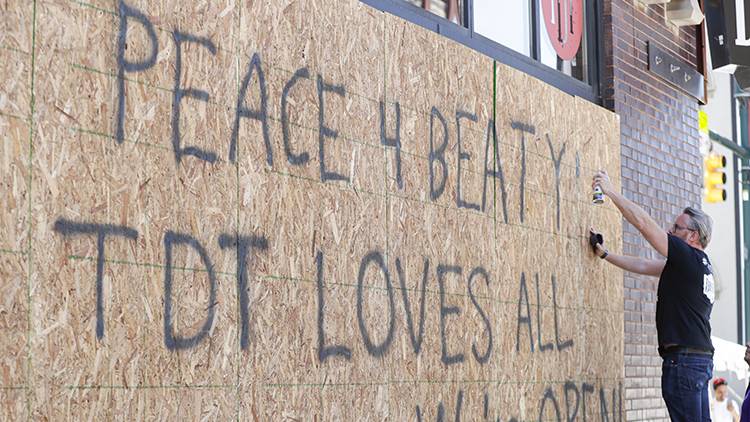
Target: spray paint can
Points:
(598, 197)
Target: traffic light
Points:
(714, 178)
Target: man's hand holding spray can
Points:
(600, 185)
(596, 239)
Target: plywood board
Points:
(294, 210)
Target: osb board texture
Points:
(323, 319)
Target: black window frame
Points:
(528, 64)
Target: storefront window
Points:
(505, 22)
(563, 36)
(544, 38)
(552, 32)
(452, 10)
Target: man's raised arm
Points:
(635, 215)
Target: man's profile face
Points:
(721, 393)
(683, 228)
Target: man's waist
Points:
(676, 348)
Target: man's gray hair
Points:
(702, 224)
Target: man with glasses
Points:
(685, 297)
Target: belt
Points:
(683, 349)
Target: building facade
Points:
(661, 170)
(661, 158)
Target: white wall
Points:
(722, 249)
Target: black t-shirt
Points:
(685, 298)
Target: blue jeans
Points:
(684, 386)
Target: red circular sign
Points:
(564, 22)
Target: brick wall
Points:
(661, 170)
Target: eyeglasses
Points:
(676, 227)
